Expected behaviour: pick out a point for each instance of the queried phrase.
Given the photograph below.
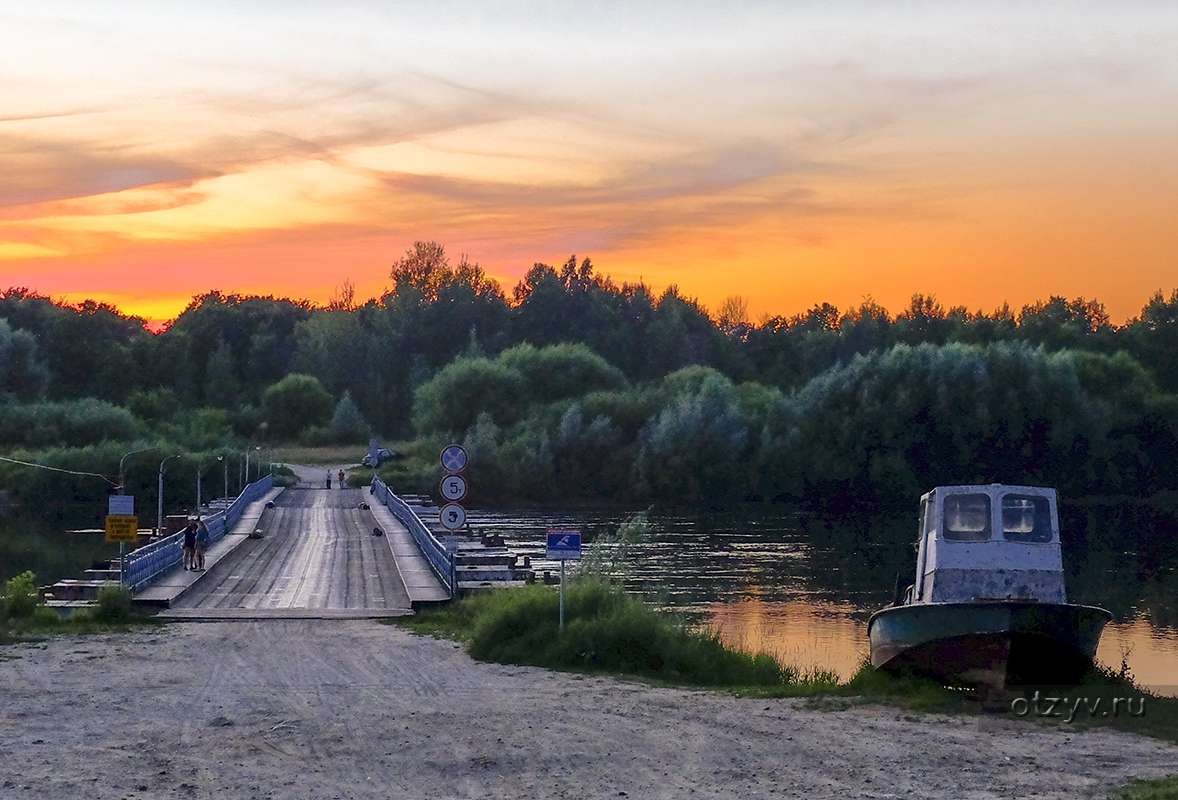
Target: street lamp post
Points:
(121, 490)
(159, 526)
(122, 474)
(226, 460)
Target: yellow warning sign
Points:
(122, 528)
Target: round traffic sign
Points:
(453, 516)
(453, 487)
(454, 458)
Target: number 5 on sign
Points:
(453, 487)
(453, 516)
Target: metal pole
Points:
(159, 519)
(122, 474)
(562, 593)
(121, 488)
(159, 527)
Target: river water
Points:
(798, 585)
(801, 586)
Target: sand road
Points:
(300, 708)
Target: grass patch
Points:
(1160, 789)
(605, 631)
(1105, 698)
(284, 475)
(608, 631)
(318, 456)
(24, 617)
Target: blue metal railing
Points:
(148, 563)
(435, 554)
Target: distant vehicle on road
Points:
(376, 455)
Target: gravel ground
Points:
(299, 708)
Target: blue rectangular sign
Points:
(564, 545)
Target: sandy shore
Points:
(356, 709)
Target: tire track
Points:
(317, 553)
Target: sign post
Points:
(122, 526)
(564, 544)
(453, 489)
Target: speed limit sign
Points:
(453, 516)
(453, 487)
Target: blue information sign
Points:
(564, 545)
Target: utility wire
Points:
(58, 469)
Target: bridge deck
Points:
(318, 557)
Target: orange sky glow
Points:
(791, 154)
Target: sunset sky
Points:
(788, 152)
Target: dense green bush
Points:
(596, 389)
(695, 448)
(113, 604)
(892, 424)
(295, 403)
(562, 370)
(21, 597)
(608, 630)
(75, 423)
(454, 399)
(883, 427)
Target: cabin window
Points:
(966, 517)
(1026, 519)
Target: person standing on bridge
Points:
(329, 479)
(189, 545)
(341, 479)
(202, 544)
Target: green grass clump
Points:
(24, 615)
(907, 689)
(605, 630)
(20, 598)
(1160, 789)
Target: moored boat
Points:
(988, 605)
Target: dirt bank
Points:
(356, 709)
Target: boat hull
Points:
(994, 643)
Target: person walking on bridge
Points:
(341, 479)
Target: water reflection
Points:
(802, 586)
(42, 546)
(808, 635)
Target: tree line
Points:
(574, 385)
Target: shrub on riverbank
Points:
(605, 629)
(24, 615)
(20, 597)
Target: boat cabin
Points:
(992, 542)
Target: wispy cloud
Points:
(730, 130)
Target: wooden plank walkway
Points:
(318, 557)
(420, 581)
